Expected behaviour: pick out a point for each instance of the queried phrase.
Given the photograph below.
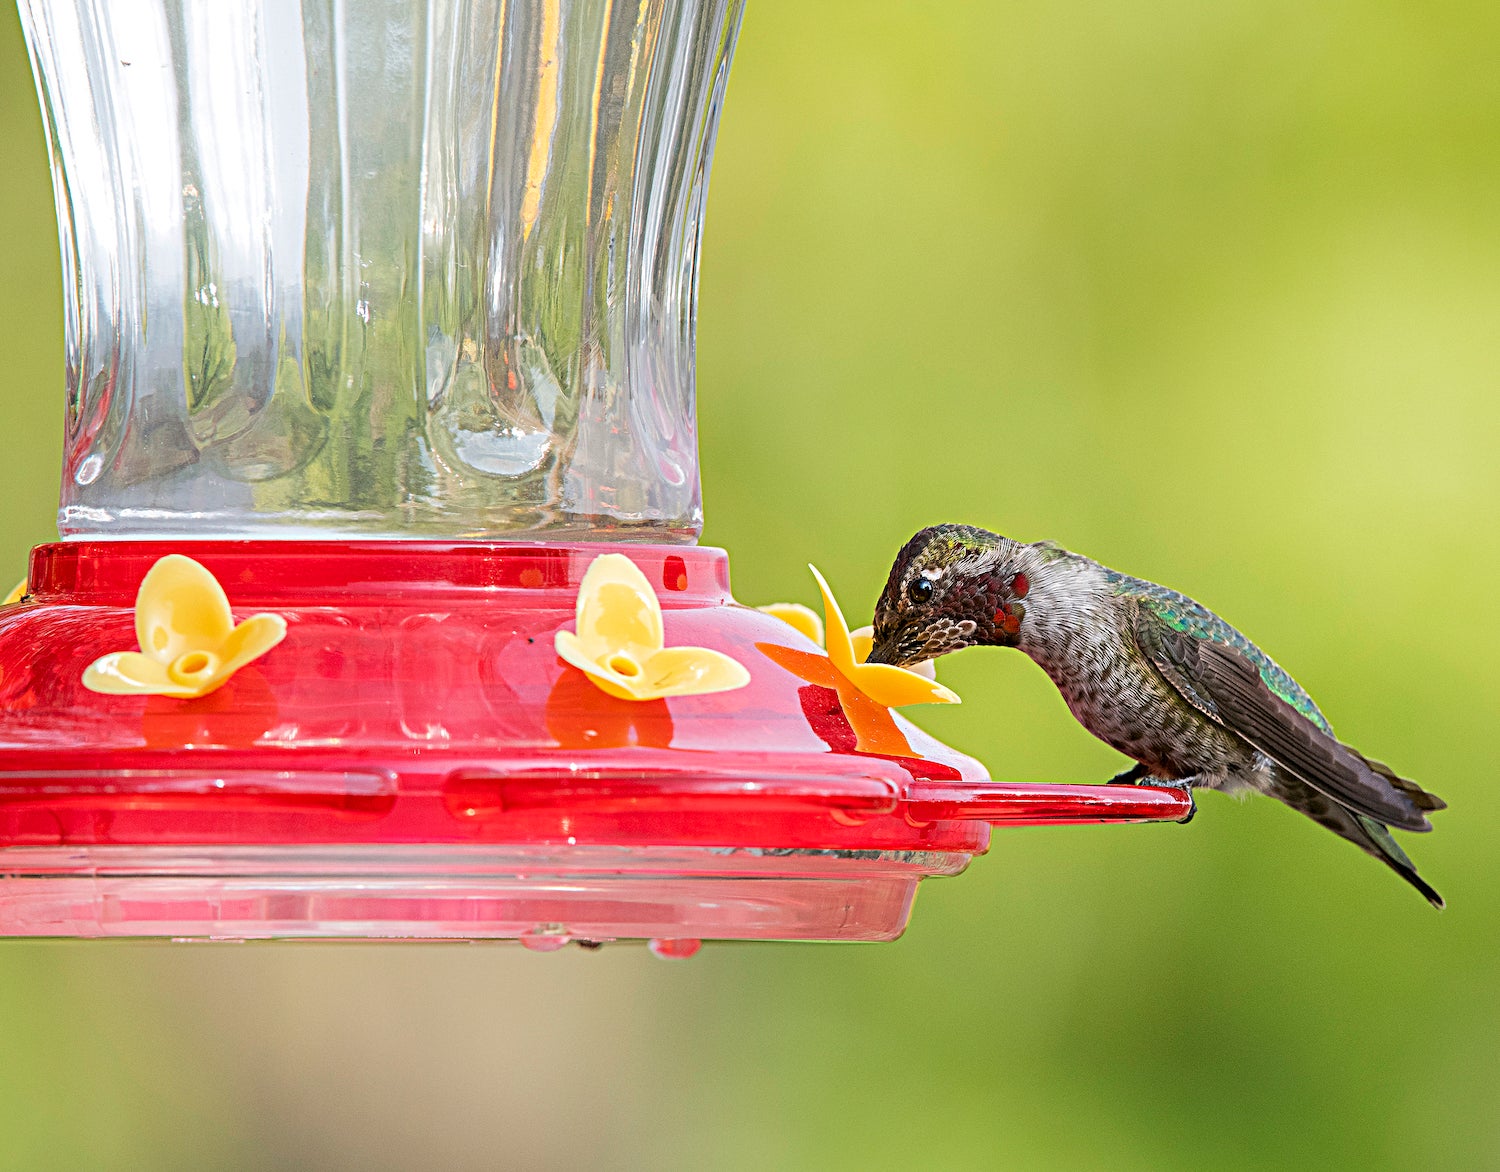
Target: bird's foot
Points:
(1139, 774)
(1186, 786)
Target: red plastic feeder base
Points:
(415, 761)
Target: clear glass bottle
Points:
(383, 268)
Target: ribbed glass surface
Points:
(383, 267)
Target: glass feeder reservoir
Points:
(381, 269)
(378, 610)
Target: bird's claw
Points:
(1139, 773)
(1187, 791)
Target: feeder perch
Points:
(380, 325)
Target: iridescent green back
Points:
(1181, 613)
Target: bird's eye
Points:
(920, 590)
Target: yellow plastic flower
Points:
(803, 618)
(619, 643)
(190, 644)
(884, 683)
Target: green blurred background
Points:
(1208, 291)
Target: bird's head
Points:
(952, 586)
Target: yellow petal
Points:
(882, 682)
(17, 593)
(799, 616)
(250, 640)
(839, 649)
(180, 607)
(692, 671)
(129, 673)
(895, 686)
(618, 610)
(863, 639)
(616, 683)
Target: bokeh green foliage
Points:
(1208, 291)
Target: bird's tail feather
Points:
(1419, 796)
(1370, 836)
(1386, 849)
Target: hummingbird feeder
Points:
(378, 610)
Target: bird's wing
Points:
(1222, 683)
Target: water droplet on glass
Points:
(502, 451)
(545, 938)
(89, 470)
(679, 949)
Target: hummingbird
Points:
(1150, 672)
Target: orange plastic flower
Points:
(894, 687)
(866, 691)
(190, 644)
(803, 619)
(619, 642)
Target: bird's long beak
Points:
(888, 651)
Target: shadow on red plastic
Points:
(1007, 805)
(367, 791)
(481, 793)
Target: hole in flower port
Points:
(192, 665)
(622, 664)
